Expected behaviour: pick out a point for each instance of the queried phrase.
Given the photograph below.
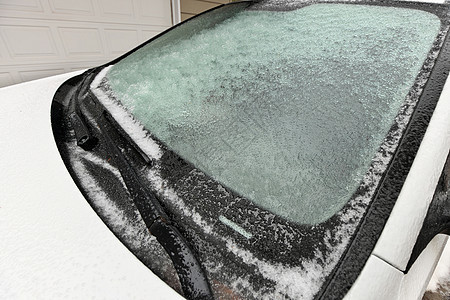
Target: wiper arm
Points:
(191, 275)
(84, 137)
(192, 278)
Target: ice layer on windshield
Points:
(285, 108)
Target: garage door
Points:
(39, 38)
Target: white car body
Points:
(54, 246)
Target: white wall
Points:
(190, 8)
(39, 38)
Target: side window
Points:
(443, 193)
(441, 199)
(438, 215)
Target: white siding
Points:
(40, 38)
(190, 8)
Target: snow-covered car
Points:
(277, 149)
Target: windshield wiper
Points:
(191, 275)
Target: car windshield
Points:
(288, 115)
(268, 139)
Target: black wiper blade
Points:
(146, 203)
(191, 275)
(192, 278)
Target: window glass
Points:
(285, 108)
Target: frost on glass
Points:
(285, 108)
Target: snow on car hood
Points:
(53, 244)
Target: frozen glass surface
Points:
(285, 108)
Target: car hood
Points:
(53, 244)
